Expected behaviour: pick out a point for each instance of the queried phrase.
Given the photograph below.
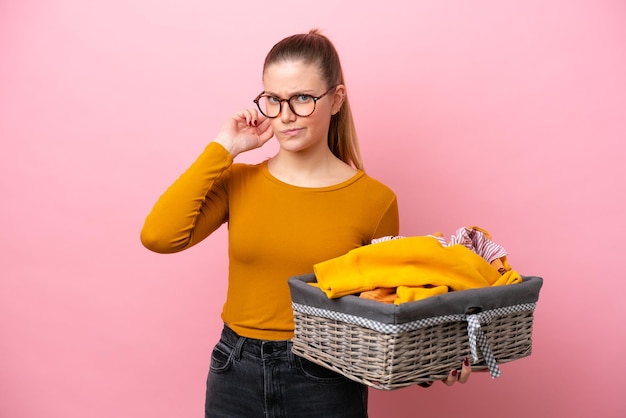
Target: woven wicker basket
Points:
(389, 347)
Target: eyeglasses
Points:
(302, 105)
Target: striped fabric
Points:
(472, 238)
(479, 242)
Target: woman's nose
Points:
(286, 114)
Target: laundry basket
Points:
(389, 346)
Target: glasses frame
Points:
(280, 102)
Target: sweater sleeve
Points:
(194, 206)
(389, 222)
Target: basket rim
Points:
(483, 317)
(452, 303)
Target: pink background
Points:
(509, 115)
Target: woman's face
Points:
(296, 133)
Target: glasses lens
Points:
(269, 106)
(302, 104)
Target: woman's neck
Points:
(318, 169)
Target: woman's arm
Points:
(197, 203)
(389, 224)
(194, 206)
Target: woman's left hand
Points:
(456, 376)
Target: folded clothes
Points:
(416, 267)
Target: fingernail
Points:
(254, 122)
(466, 362)
(454, 372)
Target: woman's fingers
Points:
(452, 378)
(264, 130)
(247, 117)
(466, 371)
(461, 376)
(243, 131)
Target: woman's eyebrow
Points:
(295, 93)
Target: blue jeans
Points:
(251, 378)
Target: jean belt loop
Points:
(239, 348)
(291, 359)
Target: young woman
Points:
(310, 202)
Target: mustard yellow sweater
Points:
(275, 231)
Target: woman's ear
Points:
(339, 96)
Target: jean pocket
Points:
(221, 357)
(318, 373)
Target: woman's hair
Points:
(315, 48)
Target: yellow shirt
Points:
(275, 231)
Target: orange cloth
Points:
(402, 294)
(381, 294)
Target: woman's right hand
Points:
(244, 131)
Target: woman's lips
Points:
(291, 132)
